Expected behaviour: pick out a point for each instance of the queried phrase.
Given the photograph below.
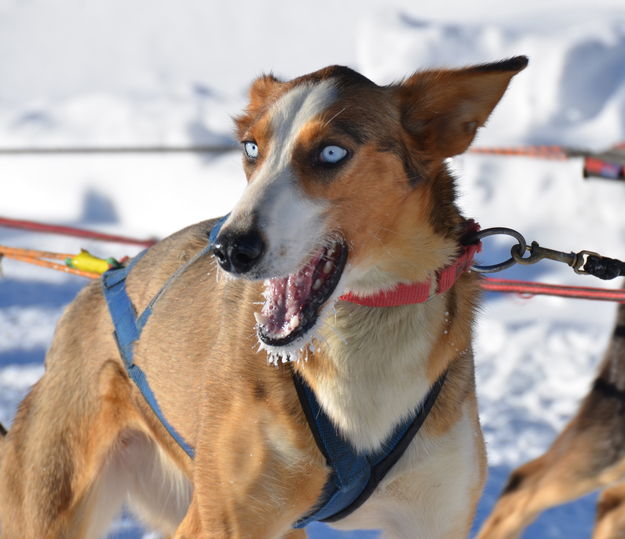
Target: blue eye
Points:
(251, 150)
(332, 154)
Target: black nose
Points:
(239, 252)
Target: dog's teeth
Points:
(327, 268)
(294, 321)
(317, 284)
(261, 319)
(331, 251)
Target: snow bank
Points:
(572, 93)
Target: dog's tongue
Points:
(286, 298)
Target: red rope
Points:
(536, 289)
(523, 288)
(71, 231)
(542, 152)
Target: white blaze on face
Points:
(291, 223)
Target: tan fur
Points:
(589, 454)
(84, 439)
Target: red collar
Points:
(407, 294)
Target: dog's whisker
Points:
(328, 122)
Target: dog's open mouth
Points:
(292, 303)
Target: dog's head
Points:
(347, 186)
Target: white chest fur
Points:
(379, 367)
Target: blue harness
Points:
(354, 476)
(128, 328)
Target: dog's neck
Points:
(372, 368)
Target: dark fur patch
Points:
(619, 331)
(452, 304)
(513, 64)
(259, 390)
(225, 523)
(345, 77)
(606, 504)
(352, 130)
(3, 431)
(443, 197)
(294, 410)
(608, 389)
(56, 492)
(513, 483)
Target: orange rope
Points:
(38, 258)
(32, 253)
(53, 265)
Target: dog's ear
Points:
(264, 89)
(441, 110)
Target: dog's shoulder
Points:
(163, 259)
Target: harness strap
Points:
(354, 475)
(127, 332)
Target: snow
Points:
(144, 73)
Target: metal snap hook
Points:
(520, 247)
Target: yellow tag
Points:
(85, 261)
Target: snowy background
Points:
(154, 72)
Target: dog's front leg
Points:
(253, 475)
(610, 519)
(191, 528)
(257, 469)
(296, 534)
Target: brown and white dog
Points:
(348, 191)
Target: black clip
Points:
(537, 253)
